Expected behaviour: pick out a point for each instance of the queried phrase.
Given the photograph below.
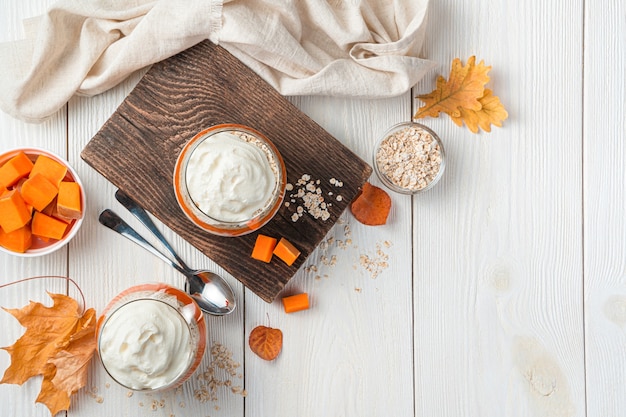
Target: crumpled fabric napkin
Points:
(354, 48)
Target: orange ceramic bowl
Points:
(43, 246)
(151, 337)
(211, 223)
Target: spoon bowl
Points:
(209, 290)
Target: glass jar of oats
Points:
(409, 158)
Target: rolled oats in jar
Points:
(409, 158)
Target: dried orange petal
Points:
(372, 206)
(266, 342)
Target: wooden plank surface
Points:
(498, 303)
(504, 293)
(137, 148)
(604, 187)
(20, 400)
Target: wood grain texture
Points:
(105, 264)
(20, 400)
(605, 206)
(506, 287)
(137, 147)
(498, 243)
(350, 353)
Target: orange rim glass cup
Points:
(151, 337)
(227, 227)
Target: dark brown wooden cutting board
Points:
(137, 147)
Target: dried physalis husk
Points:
(372, 206)
(266, 342)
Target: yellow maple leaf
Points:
(58, 343)
(463, 89)
(464, 98)
(491, 112)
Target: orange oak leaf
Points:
(463, 89)
(58, 344)
(266, 342)
(372, 206)
(492, 112)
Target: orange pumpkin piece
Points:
(14, 213)
(263, 248)
(297, 302)
(286, 251)
(68, 200)
(53, 171)
(46, 226)
(18, 240)
(372, 206)
(14, 169)
(50, 209)
(38, 191)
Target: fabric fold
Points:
(351, 48)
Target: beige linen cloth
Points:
(355, 48)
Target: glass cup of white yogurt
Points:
(151, 337)
(230, 180)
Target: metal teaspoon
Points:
(211, 292)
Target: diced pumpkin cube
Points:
(68, 200)
(286, 251)
(50, 208)
(18, 240)
(46, 226)
(14, 213)
(14, 169)
(38, 191)
(18, 185)
(53, 171)
(297, 302)
(263, 248)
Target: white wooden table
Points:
(505, 291)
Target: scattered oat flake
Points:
(220, 372)
(311, 195)
(376, 264)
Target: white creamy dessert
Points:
(146, 344)
(230, 177)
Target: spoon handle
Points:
(143, 217)
(114, 222)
